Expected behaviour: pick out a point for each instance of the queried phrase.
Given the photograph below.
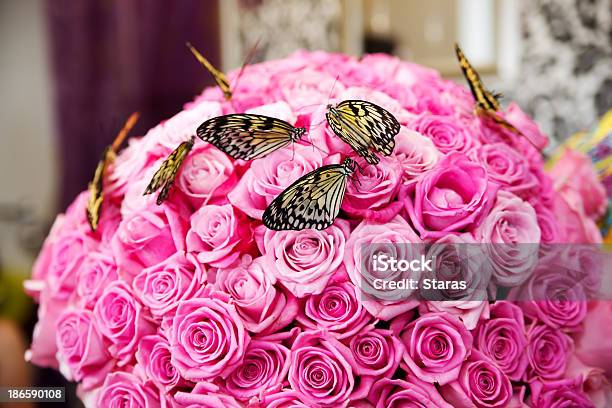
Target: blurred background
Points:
(71, 71)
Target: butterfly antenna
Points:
(310, 142)
(246, 62)
(332, 89)
(292, 151)
(125, 130)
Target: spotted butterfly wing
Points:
(248, 136)
(313, 201)
(365, 127)
(165, 175)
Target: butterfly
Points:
(96, 185)
(313, 201)
(364, 126)
(248, 136)
(165, 175)
(219, 77)
(487, 103)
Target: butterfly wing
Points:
(313, 201)
(96, 196)
(484, 98)
(165, 175)
(246, 136)
(217, 75)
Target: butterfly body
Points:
(248, 136)
(365, 127)
(313, 201)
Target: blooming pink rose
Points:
(147, 237)
(98, 271)
(436, 345)
(373, 193)
(319, 371)
(447, 133)
(416, 154)
(503, 340)
(131, 164)
(549, 226)
(154, 357)
(388, 393)
(307, 88)
(122, 389)
(377, 352)
(575, 226)
(597, 326)
(82, 351)
(574, 172)
(396, 239)
(265, 366)
(595, 383)
(452, 197)
(561, 393)
(547, 352)
(506, 167)
(526, 125)
(43, 349)
(511, 233)
(162, 286)
(262, 307)
(206, 175)
(268, 177)
(337, 309)
(219, 234)
(205, 394)
(120, 318)
(304, 261)
(207, 337)
(480, 384)
(281, 399)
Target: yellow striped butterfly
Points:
(365, 127)
(96, 185)
(487, 103)
(248, 136)
(165, 175)
(219, 77)
(313, 201)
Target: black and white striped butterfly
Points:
(365, 127)
(313, 201)
(248, 136)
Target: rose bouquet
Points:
(195, 303)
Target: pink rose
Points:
(120, 318)
(262, 307)
(575, 226)
(452, 197)
(436, 345)
(268, 177)
(549, 225)
(506, 167)
(306, 87)
(503, 340)
(447, 133)
(337, 309)
(304, 261)
(82, 351)
(206, 394)
(207, 337)
(547, 352)
(147, 237)
(281, 399)
(595, 384)
(561, 393)
(206, 175)
(122, 389)
(395, 239)
(511, 233)
(98, 271)
(131, 164)
(372, 194)
(416, 154)
(388, 393)
(574, 172)
(219, 234)
(161, 287)
(43, 349)
(319, 371)
(377, 352)
(597, 326)
(526, 125)
(265, 366)
(154, 357)
(480, 384)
